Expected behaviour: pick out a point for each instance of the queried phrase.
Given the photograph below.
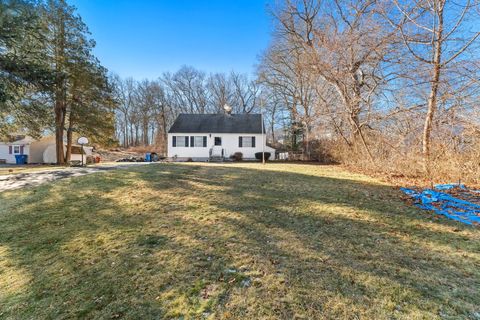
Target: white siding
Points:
(50, 154)
(229, 144)
(4, 152)
(38, 147)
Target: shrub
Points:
(237, 156)
(258, 156)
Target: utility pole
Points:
(263, 132)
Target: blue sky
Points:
(145, 38)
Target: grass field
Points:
(234, 241)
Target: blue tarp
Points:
(446, 204)
(449, 186)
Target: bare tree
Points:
(436, 34)
(221, 91)
(246, 92)
(187, 87)
(124, 94)
(345, 45)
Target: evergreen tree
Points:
(79, 77)
(25, 78)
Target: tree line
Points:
(147, 108)
(50, 79)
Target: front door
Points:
(218, 141)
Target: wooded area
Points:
(50, 79)
(389, 86)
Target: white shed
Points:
(45, 149)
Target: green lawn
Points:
(233, 241)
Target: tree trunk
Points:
(152, 135)
(427, 127)
(125, 138)
(60, 123)
(432, 98)
(165, 133)
(136, 136)
(131, 135)
(146, 134)
(272, 127)
(60, 88)
(294, 126)
(68, 154)
(357, 134)
(59, 127)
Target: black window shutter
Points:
(192, 141)
(186, 141)
(204, 141)
(174, 141)
(240, 142)
(253, 142)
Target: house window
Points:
(200, 141)
(180, 141)
(218, 141)
(16, 149)
(246, 142)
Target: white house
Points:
(203, 137)
(38, 151)
(18, 145)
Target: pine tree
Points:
(25, 78)
(77, 74)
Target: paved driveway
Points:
(31, 179)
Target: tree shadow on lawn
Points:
(102, 246)
(348, 238)
(62, 241)
(185, 240)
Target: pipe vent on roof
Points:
(227, 108)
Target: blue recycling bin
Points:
(21, 158)
(148, 157)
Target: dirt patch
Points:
(117, 154)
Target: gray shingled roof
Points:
(217, 123)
